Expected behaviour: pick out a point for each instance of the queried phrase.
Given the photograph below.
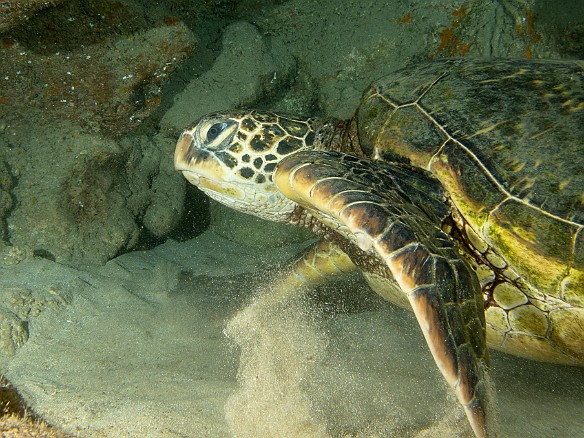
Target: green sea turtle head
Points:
(232, 157)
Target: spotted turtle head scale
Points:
(232, 156)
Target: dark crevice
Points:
(9, 189)
(196, 217)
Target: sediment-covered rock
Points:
(83, 199)
(16, 12)
(107, 87)
(248, 68)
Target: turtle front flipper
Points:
(395, 214)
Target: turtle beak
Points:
(195, 162)
(202, 168)
(184, 151)
(185, 155)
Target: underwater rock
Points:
(248, 68)
(17, 306)
(15, 12)
(68, 194)
(22, 427)
(108, 86)
(84, 199)
(344, 46)
(27, 290)
(18, 419)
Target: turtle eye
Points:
(216, 134)
(214, 131)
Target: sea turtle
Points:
(457, 189)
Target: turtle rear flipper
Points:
(368, 205)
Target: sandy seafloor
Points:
(184, 341)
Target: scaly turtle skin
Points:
(457, 189)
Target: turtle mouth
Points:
(203, 169)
